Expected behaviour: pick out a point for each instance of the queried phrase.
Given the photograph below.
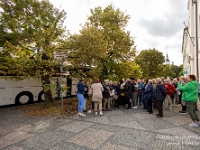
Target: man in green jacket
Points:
(190, 96)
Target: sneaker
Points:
(135, 107)
(96, 113)
(82, 115)
(193, 125)
(100, 114)
(182, 112)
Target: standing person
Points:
(183, 82)
(106, 95)
(122, 98)
(170, 90)
(140, 92)
(135, 92)
(154, 89)
(148, 93)
(160, 94)
(80, 93)
(96, 92)
(86, 96)
(144, 88)
(190, 96)
(198, 91)
(175, 85)
(128, 93)
(115, 94)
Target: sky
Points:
(154, 23)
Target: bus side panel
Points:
(74, 86)
(35, 91)
(6, 97)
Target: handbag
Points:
(115, 96)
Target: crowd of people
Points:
(154, 94)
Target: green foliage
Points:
(102, 43)
(151, 62)
(31, 32)
(168, 72)
(126, 70)
(181, 71)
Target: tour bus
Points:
(29, 90)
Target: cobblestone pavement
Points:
(119, 129)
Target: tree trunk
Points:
(47, 90)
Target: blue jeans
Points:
(144, 101)
(80, 102)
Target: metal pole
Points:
(61, 95)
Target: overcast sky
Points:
(155, 23)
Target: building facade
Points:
(191, 40)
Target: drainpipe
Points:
(197, 41)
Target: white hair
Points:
(151, 81)
(159, 79)
(127, 80)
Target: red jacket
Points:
(169, 88)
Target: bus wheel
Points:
(41, 96)
(24, 98)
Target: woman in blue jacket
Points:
(80, 95)
(148, 93)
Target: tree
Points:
(126, 70)
(87, 49)
(111, 23)
(176, 69)
(31, 32)
(151, 62)
(168, 72)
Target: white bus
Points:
(30, 90)
(20, 92)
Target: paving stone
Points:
(69, 146)
(120, 118)
(46, 140)
(118, 129)
(111, 146)
(131, 124)
(94, 138)
(76, 126)
(133, 138)
(98, 119)
(177, 140)
(110, 128)
(179, 131)
(13, 138)
(14, 148)
(114, 112)
(143, 115)
(155, 124)
(178, 120)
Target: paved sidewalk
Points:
(119, 129)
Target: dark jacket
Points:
(149, 92)
(86, 90)
(106, 91)
(80, 88)
(128, 90)
(160, 92)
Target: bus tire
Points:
(41, 96)
(24, 98)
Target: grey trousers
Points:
(192, 112)
(135, 99)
